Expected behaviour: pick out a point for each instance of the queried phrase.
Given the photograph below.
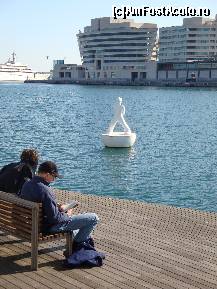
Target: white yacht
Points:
(14, 71)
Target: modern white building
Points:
(118, 50)
(196, 39)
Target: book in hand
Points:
(70, 205)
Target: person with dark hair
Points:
(14, 175)
(54, 219)
(30, 156)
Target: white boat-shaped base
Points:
(119, 139)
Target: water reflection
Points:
(127, 153)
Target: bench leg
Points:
(69, 240)
(34, 239)
(34, 255)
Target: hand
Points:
(60, 207)
(70, 212)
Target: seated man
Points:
(54, 220)
(14, 175)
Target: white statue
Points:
(118, 139)
(118, 118)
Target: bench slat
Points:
(11, 206)
(15, 223)
(17, 233)
(16, 200)
(51, 237)
(14, 232)
(4, 223)
(14, 214)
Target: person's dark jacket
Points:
(85, 255)
(38, 190)
(13, 176)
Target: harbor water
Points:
(174, 159)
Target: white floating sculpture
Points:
(119, 139)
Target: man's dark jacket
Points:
(38, 190)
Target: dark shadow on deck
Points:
(11, 268)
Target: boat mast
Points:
(13, 57)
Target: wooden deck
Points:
(146, 245)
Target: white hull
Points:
(14, 71)
(119, 139)
(15, 76)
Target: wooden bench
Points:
(23, 219)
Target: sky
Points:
(39, 31)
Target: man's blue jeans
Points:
(80, 225)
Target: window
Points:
(98, 64)
(61, 74)
(142, 75)
(68, 74)
(134, 76)
(204, 65)
(113, 74)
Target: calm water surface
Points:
(174, 160)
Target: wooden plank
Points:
(14, 221)
(4, 284)
(42, 278)
(14, 216)
(32, 283)
(71, 281)
(59, 283)
(14, 226)
(15, 282)
(16, 200)
(14, 231)
(9, 206)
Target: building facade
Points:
(196, 39)
(118, 50)
(195, 71)
(67, 72)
